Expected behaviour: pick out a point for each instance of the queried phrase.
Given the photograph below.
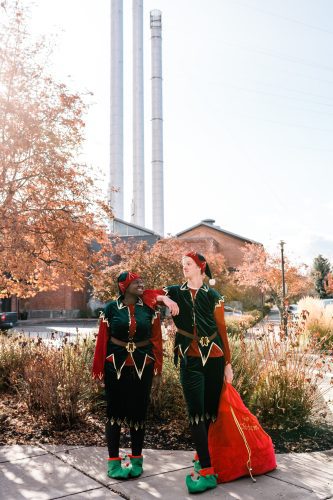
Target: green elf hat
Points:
(203, 264)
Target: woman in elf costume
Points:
(202, 346)
(128, 356)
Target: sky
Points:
(248, 110)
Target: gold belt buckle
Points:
(130, 347)
(204, 341)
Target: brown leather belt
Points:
(130, 345)
(204, 341)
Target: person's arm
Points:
(164, 298)
(222, 330)
(156, 340)
(152, 297)
(100, 349)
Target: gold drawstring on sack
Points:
(248, 464)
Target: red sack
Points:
(238, 445)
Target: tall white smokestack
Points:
(157, 121)
(138, 203)
(117, 127)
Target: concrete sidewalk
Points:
(78, 473)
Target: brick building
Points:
(61, 303)
(206, 236)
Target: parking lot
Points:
(46, 329)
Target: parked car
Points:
(230, 311)
(293, 311)
(326, 302)
(8, 320)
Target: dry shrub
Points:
(316, 323)
(245, 367)
(278, 378)
(57, 381)
(15, 351)
(238, 325)
(282, 377)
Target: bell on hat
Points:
(211, 280)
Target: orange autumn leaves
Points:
(263, 271)
(50, 214)
(159, 265)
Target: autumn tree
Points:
(262, 270)
(159, 265)
(47, 199)
(320, 270)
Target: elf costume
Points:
(128, 354)
(202, 345)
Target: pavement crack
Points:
(289, 482)
(77, 469)
(76, 493)
(120, 494)
(23, 458)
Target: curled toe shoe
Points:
(136, 468)
(206, 480)
(115, 469)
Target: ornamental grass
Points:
(168, 402)
(280, 377)
(15, 352)
(58, 381)
(52, 376)
(316, 323)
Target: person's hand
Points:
(172, 306)
(228, 374)
(100, 382)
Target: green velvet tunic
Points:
(117, 316)
(197, 312)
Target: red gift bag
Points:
(238, 445)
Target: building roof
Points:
(124, 228)
(210, 223)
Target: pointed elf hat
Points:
(203, 264)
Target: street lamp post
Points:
(284, 315)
